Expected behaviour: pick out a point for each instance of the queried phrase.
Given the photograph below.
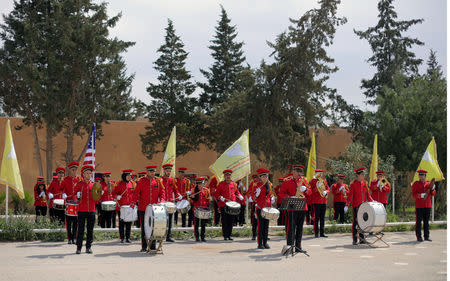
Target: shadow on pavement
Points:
(54, 256)
(252, 250)
(133, 254)
(42, 245)
(270, 257)
(408, 243)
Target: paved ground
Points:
(332, 258)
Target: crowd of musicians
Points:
(202, 192)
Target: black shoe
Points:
(121, 240)
(225, 238)
(203, 240)
(266, 246)
(323, 235)
(362, 242)
(261, 247)
(143, 250)
(128, 241)
(298, 250)
(78, 251)
(428, 239)
(69, 242)
(229, 238)
(355, 242)
(420, 239)
(168, 239)
(316, 236)
(88, 251)
(73, 241)
(253, 238)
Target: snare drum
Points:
(202, 213)
(183, 206)
(156, 221)
(232, 208)
(72, 208)
(371, 217)
(171, 207)
(270, 213)
(58, 204)
(128, 214)
(108, 205)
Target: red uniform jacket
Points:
(213, 186)
(339, 195)
(277, 190)
(420, 187)
(149, 192)
(263, 200)
(316, 197)
(289, 189)
(39, 201)
(68, 185)
(170, 189)
(358, 194)
(203, 198)
(251, 189)
(377, 195)
(85, 202)
(227, 190)
(126, 191)
(56, 189)
(106, 196)
(183, 185)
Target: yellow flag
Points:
(236, 158)
(430, 164)
(310, 170)
(10, 172)
(171, 152)
(374, 163)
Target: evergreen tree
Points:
(172, 104)
(391, 50)
(434, 70)
(223, 77)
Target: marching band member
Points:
(340, 192)
(227, 191)
(124, 195)
(183, 184)
(55, 191)
(86, 209)
(149, 190)
(422, 191)
(295, 219)
(359, 193)
(141, 175)
(380, 190)
(277, 190)
(319, 199)
(200, 198)
(171, 194)
(68, 185)
(108, 217)
(40, 198)
(212, 191)
(240, 219)
(263, 198)
(250, 191)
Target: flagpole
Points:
(6, 209)
(246, 209)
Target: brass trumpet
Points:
(383, 183)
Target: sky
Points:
(259, 21)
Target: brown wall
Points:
(120, 148)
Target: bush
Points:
(21, 206)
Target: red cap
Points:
(200, 179)
(227, 171)
(149, 167)
(360, 170)
(60, 169)
(106, 173)
(142, 173)
(341, 176)
(73, 164)
(182, 168)
(422, 172)
(87, 167)
(43, 182)
(318, 170)
(298, 166)
(261, 171)
(281, 179)
(127, 171)
(167, 165)
(39, 178)
(55, 177)
(380, 172)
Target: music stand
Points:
(293, 204)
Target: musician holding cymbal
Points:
(422, 191)
(263, 198)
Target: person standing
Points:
(172, 193)
(380, 189)
(183, 184)
(263, 198)
(279, 199)
(250, 191)
(320, 190)
(55, 191)
(107, 195)
(212, 189)
(124, 195)
(422, 191)
(68, 184)
(40, 199)
(240, 219)
(340, 192)
(200, 198)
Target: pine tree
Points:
(434, 70)
(172, 104)
(391, 50)
(223, 77)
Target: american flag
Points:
(89, 158)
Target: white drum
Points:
(202, 213)
(171, 207)
(232, 208)
(183, 206)
(270, 213)
(109, 205)
(371, 217)
(156, 221)
(58, 204)
(128, 214)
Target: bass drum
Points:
(371, 217)
(156, 221)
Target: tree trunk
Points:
(69, 141)
(37, 150)
(49, 153)
(83, 151)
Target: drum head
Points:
(371, 216)
(156, 221)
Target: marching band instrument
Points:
(128, 214)
(270, 213)
(202, 213)
(58, 204)
(96, 191)
(71, 208)
(383, 183)
(232, 208)
(171, 207)
(371, 217)
(156, 221)
(183, 206)
(108, 205)
(429, 189)
(321, 186)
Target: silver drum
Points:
(371, 217)
(183, 206)
(270, 213)
(108, 205)
(128, 214)
(58, 204)
(232, 208)
(202, 213)
(171, 207)
(156, 221)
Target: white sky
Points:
(258, 21)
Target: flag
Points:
(89, 157)
(374, 163)
(236, 158)
(10, 172)
(430, 164)
(310, 169)
(171, 152)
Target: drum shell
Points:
(108, 205)
(128, 214)
(232, 208)
(58, 204)
(171, 207)
(202, 213)
(371, 217)
(71, 208)
(270, 213)
(183, 206)
(156, 221)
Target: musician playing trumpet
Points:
(380, 188)
(422, 191)
(319, 195)
(340, 192)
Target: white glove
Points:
(258, 191)
(272, 200)
(293, 196)
(222, 198)
(64, 196)
(250, 199)
(179, 197)
(78, 194)
(188, 192)
(241, 197)
(422, 195)
(341, 188)
(103, 192)
(302, 188)
(50, 195)
(119, 197)
(42, 194)
(345, 209)
(324, 192)
(378, 184)
(434, 186)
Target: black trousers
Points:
(124, 227)
(319, 216)
(57, 215)
(339, 211)
(216, 213)
(107, 218)
(263, 228)
(294, 227)
(423, 214)
(169, 228)
(354, 224)
(202, 224)
(253, 220)
(191, 217)
(175, 217)
(71, 227)
(310, 214)
(40, 211)
(282, 218)
(98, 208)
(89, 219)
(241, 217)
(227, 223)
(114, 218)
